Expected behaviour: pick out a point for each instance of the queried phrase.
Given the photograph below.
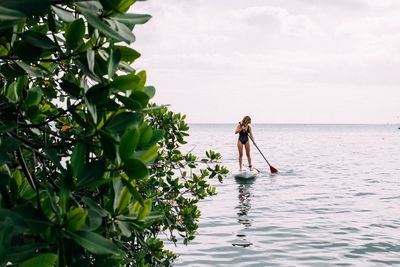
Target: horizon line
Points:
(304, 123)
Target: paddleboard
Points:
(246, 174)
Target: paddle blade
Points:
(273, 170)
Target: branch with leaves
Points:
(87, 163)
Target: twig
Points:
(25, 169)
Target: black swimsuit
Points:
(243, 137)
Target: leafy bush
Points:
(90, 172)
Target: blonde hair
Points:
(246, 120)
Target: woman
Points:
(244, 130)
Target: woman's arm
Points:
(238, 128)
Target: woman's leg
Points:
(247, 147)
(240, 148)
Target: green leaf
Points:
(158, 134)
(94, 242)
(127, 218)
(125, 82)
(4, 178)
(117, 5)
(142, 76)
(113, 62)
(78, 117)
(26, 51)
(128, 54)
(124, 5)
(52, 199)
(90, 54)
(129, 103)
(103, 27)
(128, 144)
(4, 158)
(135, 169)
(65, 193)
(78, 159)
(146, 133)
(96, 96)
(75, 33)
(42, 260)
(7, 231)
(92, 108)
(15, 89)
(91, 173)
(20, 253)
(62, 14)
(76, 219)
(147, 155)
(10, 14)
(51, 153)
(109, 145)
(28, 7)
(134, 191)
(117, 189)
(154, 216)
(11, 70)
(131, 20)
(30, 70)
(140, 97)
(122, 199)
(93, 221)
(34, 218)
(124, 31)
(9, 144)
(33, 98)
(8, 127)
(125, 120)
(51, 22)
(150, 91)
(142, 211)
(70, 88)
(38, 39)
(124, 228)
(95, 207)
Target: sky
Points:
(293, 61)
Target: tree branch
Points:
(37, 125)
(57, 59)
(25, 169)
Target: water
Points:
(335, 201)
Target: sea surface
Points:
(334, 202)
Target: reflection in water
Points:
(243, 209)
(244, 205)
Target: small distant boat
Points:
(247, 174)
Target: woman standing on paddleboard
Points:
(244, 130)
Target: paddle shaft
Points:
(259, 150)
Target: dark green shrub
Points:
(90, 172)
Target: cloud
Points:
(270, 18)
(207, 46)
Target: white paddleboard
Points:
(246, 174)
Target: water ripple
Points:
(333, 203)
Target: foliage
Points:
(90, 172)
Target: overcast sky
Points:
(293, 61)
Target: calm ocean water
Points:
(335, 201)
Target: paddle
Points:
(272, 169)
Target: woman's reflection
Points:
(244, 188)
